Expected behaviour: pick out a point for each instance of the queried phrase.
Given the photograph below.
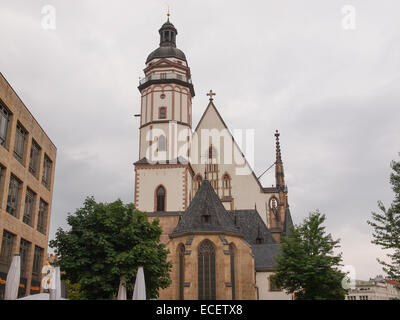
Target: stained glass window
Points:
(206, 264)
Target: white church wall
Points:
(246, 190)
(149, 180)
(264, 289)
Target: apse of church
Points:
(221, 226)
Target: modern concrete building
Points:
(27, 163)
(375, 289)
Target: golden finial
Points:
(168, 14)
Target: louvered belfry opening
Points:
(206, 271)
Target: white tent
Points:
(13, 277)
(139, 293)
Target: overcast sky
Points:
(290, 65)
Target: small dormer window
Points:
(206, 219)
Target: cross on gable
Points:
(211, 94)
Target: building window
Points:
(2, 179)
(47, 166)
(30, 198)
(232, 258)
(160, 198)
(34, 159)
(14, 191)
(272, 285)
(42, 216)
(24, 252)
(20, 142)
(4, 120)
(163, 76)
(162, 113)
(181, 271)
(226, 185)
(179, 76)
(212, 168)
(197, 182)
(6, 253)
(162, 143)
(206, 276)
(37, 263)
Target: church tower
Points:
(163, 174)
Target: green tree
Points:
(387, 226)
(307, 265)
(107, 241)
(73, 291)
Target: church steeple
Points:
(279, 174)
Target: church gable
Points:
(213, 121)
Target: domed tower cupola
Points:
(168, 34)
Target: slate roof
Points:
(179, 160)
(206, 203)
(264, 256)
(252, 226)
(288, 223)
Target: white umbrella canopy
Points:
(122, 290)
(58, 283)
(13, 278)
(139, 293)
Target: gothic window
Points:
(160, 199)
(212, 168)
(206, 276)
(29, 207)
(42, 217)
(232, 258)
(197, 182)
(162, 143)
(47, 166)
(162, 113)
(34, 159)
(14, 191)
(181, 271)
(20, 142)
(226, 185)
(212, 153)
(7, 247)
(4, 119)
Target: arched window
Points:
(232, 256)
(160, 199)
(162, 143)
(212, 168)
(181, 270)
(212, 153)
(206, 265)
(197, 182)
(226, 185)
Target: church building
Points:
(220, 225)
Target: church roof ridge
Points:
(206, 214)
